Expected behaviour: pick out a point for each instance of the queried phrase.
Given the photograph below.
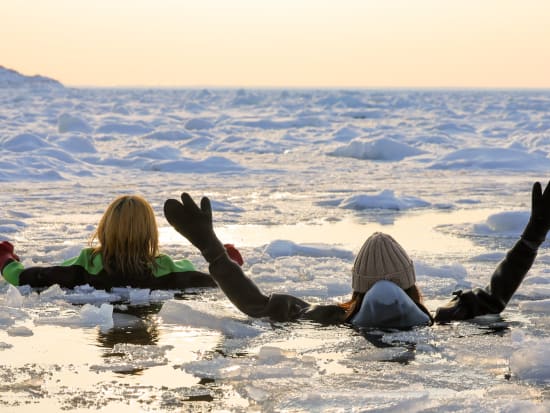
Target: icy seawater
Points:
(298, 179)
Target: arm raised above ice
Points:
(510, 272)
(248, 298)
(495, 296)
(195, 224)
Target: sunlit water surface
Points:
(144, 363)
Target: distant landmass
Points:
(10, 78)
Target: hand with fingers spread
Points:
(195, 224)
(539, 221)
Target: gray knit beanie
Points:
(382, 258)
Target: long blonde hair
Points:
(128, 237)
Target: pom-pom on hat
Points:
(382, 258)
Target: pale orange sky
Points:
(283, 43)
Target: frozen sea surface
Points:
(298, 179)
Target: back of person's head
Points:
(382, 258)
(128, 236)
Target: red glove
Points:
(6, 254)
(234, 254)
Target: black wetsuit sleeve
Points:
(492, 299)
(248, 298)
(74, 275)
(240, 289)
(66, 277)
(508, 276)
(182, 280)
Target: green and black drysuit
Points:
(88, 268)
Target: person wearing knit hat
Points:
(384, 264)
(383, 276)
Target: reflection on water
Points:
(416, 231)
(133, 325)
(106, 368)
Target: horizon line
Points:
(304, 87)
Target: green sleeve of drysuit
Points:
(93, 264)
(165, 265)
(12, 271)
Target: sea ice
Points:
(76, 144)
(168, 135)
(132, 357)
(97, 316)
(19, 331)
(210, 164)
(13, 297)
(24, 142)
(530, 361)
(383, 200)
(70, 123)
(204, 315)
(281, 248)
(382, 149)
(540, 306)
(506, 223)
(493, 158)
(139, 295)
(119, 128)
(199, 124)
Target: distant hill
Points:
(10, 78)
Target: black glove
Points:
(539, 222)
(195, 224)
(461, 307)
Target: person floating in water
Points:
(383, 278)
(126, 254)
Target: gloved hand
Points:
(539, 221)
(234, 254)
(6, 254)
(195, 224)
(459, 308)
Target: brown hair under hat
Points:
(382, 258)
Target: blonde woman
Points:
(123, 252)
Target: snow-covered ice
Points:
(298, 179)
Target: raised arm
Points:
(195, 224)
(509, 273)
